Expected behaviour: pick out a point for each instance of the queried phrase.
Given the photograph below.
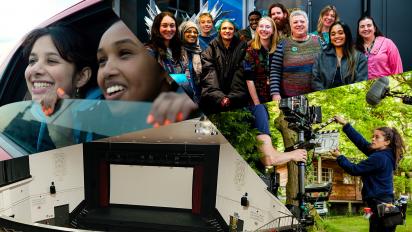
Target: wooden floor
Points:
(118, 218)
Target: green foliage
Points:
(236, 127)
(408, 185)
(399, 184)
(349, 102)
(406, 164)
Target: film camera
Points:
(301, 117)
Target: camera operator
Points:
(384, 153)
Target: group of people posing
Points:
(276, 57)
(273, 58)
(223, 68)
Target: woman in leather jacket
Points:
(339, 64)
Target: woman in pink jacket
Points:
(383, 55)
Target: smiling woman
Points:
(222, 85)
(383, 55)
(328, 15)
(125, 71)
(340, 64)
(165, 45)
(58, 58)
(291, 67)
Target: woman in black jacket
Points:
(222, 85)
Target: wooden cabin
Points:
(346, 190)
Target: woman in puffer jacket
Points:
(222, 84)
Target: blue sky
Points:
(17, 17)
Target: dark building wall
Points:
(392, 18)
(349, 12)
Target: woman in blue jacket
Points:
(384, 153)
(340, 63)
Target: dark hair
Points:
(281, 6)
(286, 29)
(255, 12)
(70, 44)
(396, 142)
(156, 39)
(359, 39)
(348, 47)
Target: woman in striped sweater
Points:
(256, 72)
(291, 65)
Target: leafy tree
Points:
(347, 101)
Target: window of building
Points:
(327, 175)
(348, 179)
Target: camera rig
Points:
(301, 117)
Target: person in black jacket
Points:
(384, 153)
(222, 85)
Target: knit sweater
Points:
(292, 76)
(256, 69)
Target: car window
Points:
(75, 121)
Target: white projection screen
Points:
(151, 186)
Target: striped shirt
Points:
(291, 67)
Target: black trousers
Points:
(375, 222)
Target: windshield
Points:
(76, 121)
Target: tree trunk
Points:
(289, 139)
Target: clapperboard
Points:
(326, 141)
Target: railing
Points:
(283, 223)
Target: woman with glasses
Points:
(191, 58)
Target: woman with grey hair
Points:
(291, 65)
(189, 33)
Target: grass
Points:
(360, 224)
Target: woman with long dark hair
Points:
(383, 152)
(340, 64)
(383, 55)
(59, 60)
(165, 44)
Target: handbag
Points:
(390, 214)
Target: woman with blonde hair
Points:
(207, 34)
(256, 67)
(328, 16)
